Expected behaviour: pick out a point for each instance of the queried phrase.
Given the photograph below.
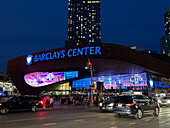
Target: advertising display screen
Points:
(39, 79)
(115, 81)
(82, 83)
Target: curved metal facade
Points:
(114, 59)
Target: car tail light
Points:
(130, 104)
(41, 102)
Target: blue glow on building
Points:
(151, 83)
(115, 81)
(95, 50)
(29, 59)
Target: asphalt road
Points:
(82, 118)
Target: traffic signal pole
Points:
(89, 66)
(91, 103)
(91, 72)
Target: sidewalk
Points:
(58, 106)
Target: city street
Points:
(82, 118)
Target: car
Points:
(135, 105)
(164, 101)
(108, 104)
(17, 103)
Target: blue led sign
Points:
(151, 83)
(29, 59)
(161, 84)
(95, 50)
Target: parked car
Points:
(108, 104)
(135, 105)
(164, 101)
(21, 103)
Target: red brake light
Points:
(41, 102)
(130, 104)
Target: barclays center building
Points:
(62, 70)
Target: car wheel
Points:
(139, 114)
(34, 108)
(4, 110)
(118, 115)
(156, 111)
(101, 110)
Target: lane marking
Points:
(78, 120)
(147, 120)
(132, 123)
(40, 118)
(50, 124)
(164, 122)
(102, 116)
(114, 127)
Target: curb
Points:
(62, 108)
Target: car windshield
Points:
(165, 98)
(124, 99)
(10, 99)
(111, 99)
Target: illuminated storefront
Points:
(61, 89)
(115, 81)
(6, 88)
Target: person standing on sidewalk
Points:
(44, 101)
(51, 101)
(47, 98)
(68, 99)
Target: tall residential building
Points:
(84, 22)
(165, 40)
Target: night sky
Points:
(28, 26)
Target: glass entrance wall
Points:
(62, 89)
(137, 81)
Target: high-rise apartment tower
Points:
(165, 40)
(84, 22)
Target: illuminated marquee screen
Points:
(39, 79)
(115, 81)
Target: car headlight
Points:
(168, 101)
(111, 104)
(159, 101)
(100, 104)
(0, 104)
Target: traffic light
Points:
(88, 65)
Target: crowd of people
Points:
(73, 99)
(70, 100)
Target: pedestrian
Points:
(68, 100)
(51, 102)
(47, 103)
(44, 101)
